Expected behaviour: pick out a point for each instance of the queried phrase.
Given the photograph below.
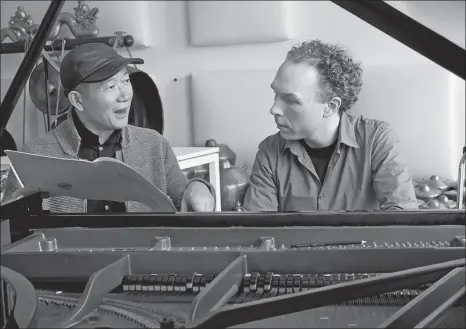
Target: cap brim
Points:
(110, 69)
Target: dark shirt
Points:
(320, 158)
(90, 149)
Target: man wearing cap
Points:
(96, 82)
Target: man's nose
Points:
(125, 94)
(276, 110)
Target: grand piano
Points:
(393, 269)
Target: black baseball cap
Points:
(92, 62)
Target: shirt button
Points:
(107, 208)
(100, 148)
(322, 196)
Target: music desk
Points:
(189, 157)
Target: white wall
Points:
(164, 28)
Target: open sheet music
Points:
(101, 179)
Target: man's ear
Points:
(76, 100)
(332, 107)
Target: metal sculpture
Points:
(82, 24)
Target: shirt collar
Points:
(88, 138)
(346, 135)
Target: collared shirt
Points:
(365, 172)
(90, 149)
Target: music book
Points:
(101, 179)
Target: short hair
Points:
(339, 74)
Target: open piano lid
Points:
(379, 14)
(409, 31)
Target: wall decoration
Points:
(82, 24)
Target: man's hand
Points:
(197, 197)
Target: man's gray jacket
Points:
(144, 150)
